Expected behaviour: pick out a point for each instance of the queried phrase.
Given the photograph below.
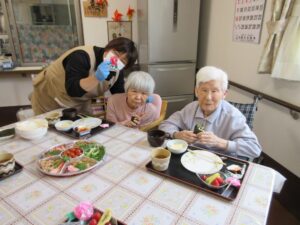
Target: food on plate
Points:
(81, 164)
(234, 169)
(71, 158)
(92, 149)
(178, 146)
(198, 128)
(82, 130)
(52, 165)
(215, 179)
(55, 151)
(72, 152)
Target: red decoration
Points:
(117, 16)
(130, 13)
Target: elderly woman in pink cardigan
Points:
(138, 106)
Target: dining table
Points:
(123, 184)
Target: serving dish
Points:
(32, 129)
(71, 158)
(17, 169)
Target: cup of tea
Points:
(160, 159)
(156, 137)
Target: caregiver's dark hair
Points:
(124, 45)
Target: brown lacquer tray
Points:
(75, 135)
(177, 172)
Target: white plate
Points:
(89, 122)
(202, 162)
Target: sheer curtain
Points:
(276, 27)
(287, 63)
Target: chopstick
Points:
(208, 159)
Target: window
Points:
(42, 30)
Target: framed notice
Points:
(248, 19)
(119, 29)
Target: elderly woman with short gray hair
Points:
(224, 127)
(138, 106)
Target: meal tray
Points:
(71, 133)
(17, 169)
(177, 172)
(98, 210)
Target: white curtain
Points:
(287, 62)
(276, 27)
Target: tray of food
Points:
(215, 173)
(72, 158)
(76, 125)
(86, 213)
(81, 128)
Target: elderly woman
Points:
(138, 106)
(224, 126)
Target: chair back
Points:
(248, 110)
(154, 124)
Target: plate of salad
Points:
(71, 158)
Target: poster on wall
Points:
(119, 29)
(93, 8)
(248, 19)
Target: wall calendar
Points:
(248, 19)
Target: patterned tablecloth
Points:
(135, 195)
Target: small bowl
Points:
(156, 137)
(64, 125)
(69, 113)
(53, 118)
(7, 163)
(177, 146)
(32, 129)
(223, 176)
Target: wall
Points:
(95, 28)
(277, 131)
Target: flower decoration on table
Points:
(130, 12)
(117, 16)
(86, 214)
(95, 8)
(84, 211)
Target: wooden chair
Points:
(162, 116)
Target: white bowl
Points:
(32, 129)
(64, 125)
(177, 146)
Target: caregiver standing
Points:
(83, 73)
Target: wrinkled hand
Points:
(209, 139)
(102, 71)
(186, 135)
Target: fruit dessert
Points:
(215, 180)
